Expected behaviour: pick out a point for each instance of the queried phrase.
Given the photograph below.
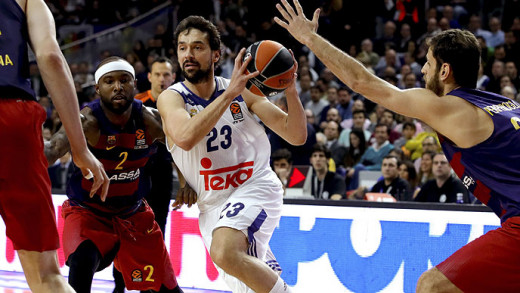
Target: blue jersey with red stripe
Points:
(491, 169)
(14, 61)
(123, 152)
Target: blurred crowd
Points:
(348, 135)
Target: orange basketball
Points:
(275, 64)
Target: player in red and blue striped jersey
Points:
(120, 132)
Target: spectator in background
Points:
(425, 169)
(373, 157)
(369, 57)
(60, 173)
(305, 84)
(356, 149)
(331, 115)
(388, 118)
(475, 26)
(497, 71)
(512, 46)
(408, 173)
(387, 40)
(344, 103)
(359, 118)
(497, 34)
(391, 60)
(444, 187)
(444, 24)
(408, 133)
(509, 92)
(432, 29)
(428, 144)
(483, 79)
(332, 98)
(282, 165)
(337, 150)
(316, 104)
(301, 153)
(323, 184)
(512, 71)
(405, 37)
(391, 183)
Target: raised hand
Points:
(296, 23)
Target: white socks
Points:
(280, 287)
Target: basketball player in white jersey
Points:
(224, 154)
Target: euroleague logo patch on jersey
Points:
(224, 178)
(140, 140)
(236, 112)
(137, 275)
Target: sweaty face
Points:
(195, 56)
(116, 89)
(431, 75)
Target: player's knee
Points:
(225, 257)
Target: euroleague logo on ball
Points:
(275, 64)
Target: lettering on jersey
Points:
(193, 111)
(505, 106)
(468, 181)
(137, 275)
(140, 140)
(111, 139)
(5, 60)
(236, 112)
(227, 177)
(132, 175)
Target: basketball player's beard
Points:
(435, 85)
(119, 110)
(198, 76)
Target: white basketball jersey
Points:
(234, 154)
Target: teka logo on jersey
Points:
(224, 178)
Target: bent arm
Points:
(57, 147)
(179, 127)
(291, 126)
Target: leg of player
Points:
(83, 263)
(42, 271)
(228, 251)
(433, 281)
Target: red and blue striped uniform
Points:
(491, 169)
(123, 152)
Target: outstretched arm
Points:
(418, 103)
(58, 80)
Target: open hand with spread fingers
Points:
(296, 23)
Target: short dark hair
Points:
(108, 60)
(203, 25)
(461, 50)
(393, 157)
(409, 124)
(359, 111)
(321, 148)
(280, 154)
(163, 60)
(381, 125)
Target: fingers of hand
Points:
(280, 22)
(298, 7)
(315, 17)
(289, 8)
(283, 12)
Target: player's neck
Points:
(450, 87)
(118, 119)
(203, 89)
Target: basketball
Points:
(275, 64)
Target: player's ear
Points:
(216, 56)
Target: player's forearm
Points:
(56, 148)
(189, 134)
(58, 80)
(296, 122)
(345, 67)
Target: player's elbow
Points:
(299, 138)
(185, 144)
